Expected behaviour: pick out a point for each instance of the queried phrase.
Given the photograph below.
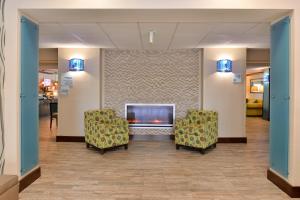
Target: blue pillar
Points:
(29, 95)
(279, 103)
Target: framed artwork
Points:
(257, 85)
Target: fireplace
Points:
(150, 115)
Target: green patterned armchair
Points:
(199, 129)
(103, 129)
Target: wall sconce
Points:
(266, 78)
(76, 64)
(224, 65)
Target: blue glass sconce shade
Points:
(266, 78)
(76, 64)
(224, 65)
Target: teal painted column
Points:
(279, 92)
(29, 95)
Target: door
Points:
(279, 102)
(29, 95)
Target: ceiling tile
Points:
(89, 34)
(128, 35)
(215, 39)
(243, 40)
(51, 29)
(58, 41)
(260, 29)
(83, 29)
(54, 34)
(188, 35)
(232, 28)
(123, 35)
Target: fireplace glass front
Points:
(150, 115)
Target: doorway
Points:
(48, 93)
(277, 34)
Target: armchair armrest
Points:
(211, 130)
(91, 115)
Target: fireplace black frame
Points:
(151, 125)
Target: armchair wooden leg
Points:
(215, 145)
(50, 123)
(177, 146)
(87, 145)
(102, 151)
(126, 146)
(202, 151)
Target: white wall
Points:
(221, 94)
(85, 93)
(12, 86)
(294, 137)
(12, 90)
(48, 58)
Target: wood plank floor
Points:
(155, 170)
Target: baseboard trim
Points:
(232, 140)
(292, 191)
(225, 139)
(172, 137)
(70, 138)
(29, 179)
(151, 137)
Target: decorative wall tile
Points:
(151, 76)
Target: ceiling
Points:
(129, 29)
(256, 70)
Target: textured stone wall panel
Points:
(133, 76)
